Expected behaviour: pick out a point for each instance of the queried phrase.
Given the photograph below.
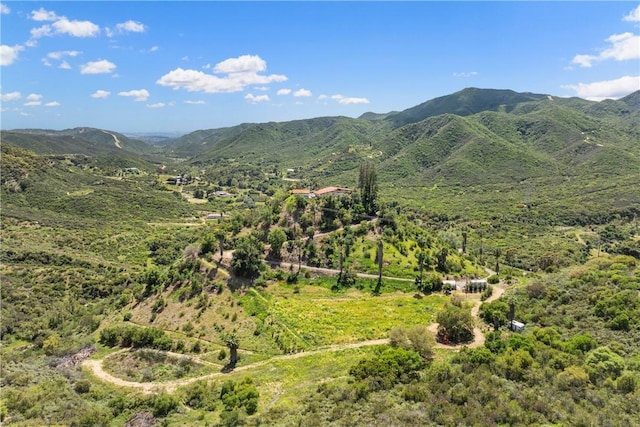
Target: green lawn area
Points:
(321, 317)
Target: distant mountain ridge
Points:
(81, 140)
(476, 139)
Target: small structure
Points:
(174, 180)
(221, 193)
(335, 191)
(452, 284)
(307, 194)
(214, 216)
(516, 326)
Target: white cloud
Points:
(36, 33)
(236, 75)
(64, 65)
(32, 103)
(195, 102)
(154, 49)
(157, 105)
(43, 15)
(241, 64)
(61, 25)
(11, 96)
(302, 92)
(608, 89)
(283, 92)
(4, 9)
(34, 97)
(255, 99)
(8, 54)
(52, 104)
(465, 74)
(633, 16)
(623, 47)
(46, 62)
(100, 94)
(76, 28)
(126, 27)
(323, 97)
(349, 100)
(62, 53)
(98, 67)
(138, 95)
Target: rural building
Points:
(335, 191)
(516, 326)
(452, 284)
(175, 180)
(214, 216)
(221, 193)
(307, 194)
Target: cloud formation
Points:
(62, 53)
(100, 94)
(4, 9)
(465, 74)
(8, 54)
(11, 96)
(623, 47)
(126, 27)
(195, 102)
(43, 15)
(52, 104)
(235, 75)
(255, 99)
(349, 100)
(33, 100)
(302, 92)
(61, 25)
(157, 105)
(608, 89)
(633, 16)
(138, 95)
(97, 67)
(283, 92)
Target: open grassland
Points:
(318, 317)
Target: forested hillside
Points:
(191, 285)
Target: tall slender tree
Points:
(368, 185)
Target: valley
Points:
(328, 271)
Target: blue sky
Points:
(183, 66)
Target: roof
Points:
(300, 191)
(331, 190)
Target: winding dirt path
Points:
(96, 366)
(97, 369)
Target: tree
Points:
(232, 341)
(247, 257)
(380, 258)
(498, 254)
(221, 235)
(276, 239)
(417, 338)
(495, 313)
(455, 324)
(368, 185)
(442, 259)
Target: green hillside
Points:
(480, 143)
(75, 141)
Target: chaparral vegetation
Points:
(435, 266)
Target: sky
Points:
(160, 66)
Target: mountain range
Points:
(474, 137)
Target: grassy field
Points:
(317, 316)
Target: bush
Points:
(493, 279)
